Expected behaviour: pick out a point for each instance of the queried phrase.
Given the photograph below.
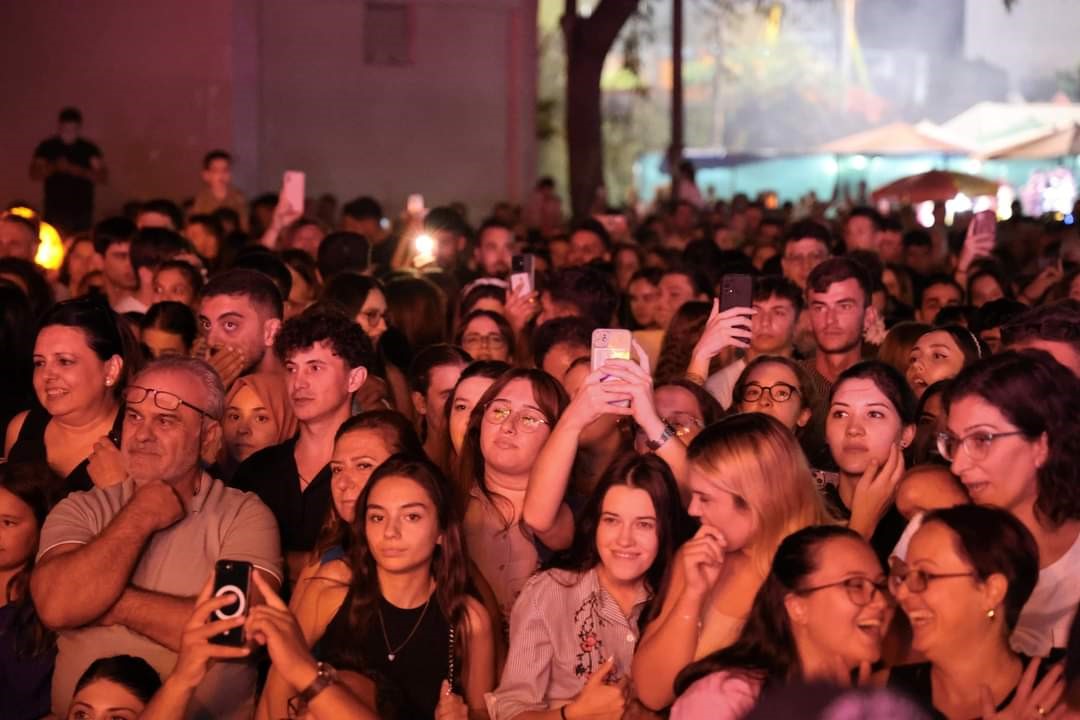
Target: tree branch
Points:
(605, 22)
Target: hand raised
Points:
(703, 559)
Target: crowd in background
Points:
(858, 489)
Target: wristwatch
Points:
(325, 677)
(667, 434)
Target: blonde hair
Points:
(754, 457)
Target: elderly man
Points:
(118, 567)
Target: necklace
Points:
(392, 652)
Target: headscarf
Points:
(270, 387)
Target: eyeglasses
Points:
(135, 394)
(917, 580)
(860, 590)
(492, 340)
(779, 392)
(977, 444)
(498, 412)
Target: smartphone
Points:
(522, 274)
(292, 189)
(984, 223)
(231, 577)
(737, 291)
(610, 343)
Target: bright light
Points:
(924, 213)
(425, 245)
(829, 164)
(859, 162)
(50, 252)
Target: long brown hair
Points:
(34, 484)
(550, 398)
(449, 566)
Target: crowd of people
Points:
(859, 488)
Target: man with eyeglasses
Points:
(119, 567)
(326, 356)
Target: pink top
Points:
(719, 696)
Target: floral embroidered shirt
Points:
(563, 626)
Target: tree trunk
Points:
(588, 41)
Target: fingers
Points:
(642, 356)
(598, 677)
(270, 597)
(1027, 680)
(710, 532)
(1050, 689)
(205, 610)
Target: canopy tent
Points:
(936, 185)
(1046, 143)
(898, 138)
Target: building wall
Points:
(153, 81)
(283, 83)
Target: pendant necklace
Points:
(392, 652)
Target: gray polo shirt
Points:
(221, 523)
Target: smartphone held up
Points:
(232, 578)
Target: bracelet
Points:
(667, 434)
(324, 678)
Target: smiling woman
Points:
(82, 358)
(968, 572)
(575, 625)
(821, 612)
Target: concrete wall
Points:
(153, 81)
(283, 83)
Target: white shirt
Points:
(1046, 618)
(721, 384)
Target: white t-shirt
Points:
(1046, 618)
(721, 384)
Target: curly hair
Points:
(1039, 396)
(322, 324)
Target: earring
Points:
(108, 382)
(990, 614)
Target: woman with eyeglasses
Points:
(821, 613)
(870, 423)
(486, 335)
(776, 386)
(590, 437)
(510, 423)
(968, 573)
(575, 625)
(1013, 439)
(473, 382)
(684, 405)
(82, 357)
(751, 488)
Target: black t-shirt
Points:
(69, 199)
(915, 682)
(886, 534)
(272, 475)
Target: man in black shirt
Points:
(70, 166)
(326, 356)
